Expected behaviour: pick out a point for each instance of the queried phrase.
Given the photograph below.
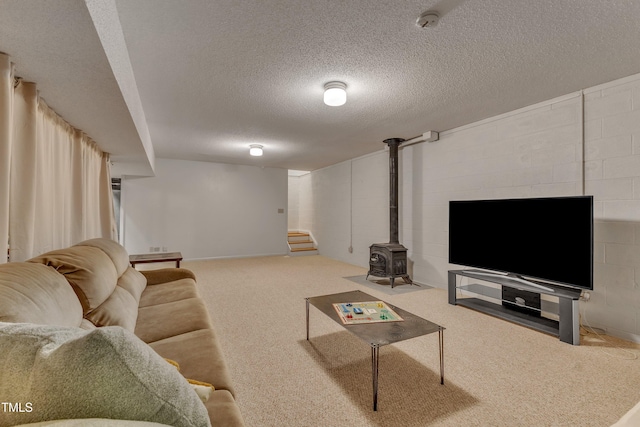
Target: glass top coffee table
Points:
(380, 333)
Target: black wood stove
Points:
(390, 259)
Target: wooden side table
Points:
(158, 257)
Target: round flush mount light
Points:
(427, 20)
(255, 150)
(335, 94)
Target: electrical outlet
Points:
(150, 248)
(164, 249)
(156, 249)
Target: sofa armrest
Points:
(164, 275)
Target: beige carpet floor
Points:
(496, 373)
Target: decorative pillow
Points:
(94, 422)
(202, 389)
(70, 373)
(85, 324)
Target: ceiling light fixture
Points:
(255, 150)
(335, 94)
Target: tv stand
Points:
(516, 279)
(567, 328)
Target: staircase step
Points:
(298, 242)
(295, 239)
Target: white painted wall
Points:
(329, 196)
(206, 210)
(293, 215)
(566, 146)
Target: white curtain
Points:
(6, 102)
(59, 181)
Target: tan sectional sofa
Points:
(84, 336)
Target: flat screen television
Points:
(540, 238)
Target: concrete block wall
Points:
(533, 152)
(583, 143)
(612, 166)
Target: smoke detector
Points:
(427, 20)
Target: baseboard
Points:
(235, 256)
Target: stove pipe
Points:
(393, 144)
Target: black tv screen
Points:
(542, 238)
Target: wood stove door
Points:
(378, 265)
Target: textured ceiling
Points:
(213, 77)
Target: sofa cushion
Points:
(105, 373)
(133, 281)
(113, 249)
(89, 270)
(120, 309)
(164, 275)
(169, 292)
(199, 355)
(161, 321)
(35, 293)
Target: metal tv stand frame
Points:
(567, 328)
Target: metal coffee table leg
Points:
(307, 299)
(375, 357)
(441, 347)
